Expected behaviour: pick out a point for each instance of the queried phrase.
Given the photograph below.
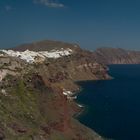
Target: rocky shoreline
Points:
(38, 82)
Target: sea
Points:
(112, 107)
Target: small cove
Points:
(113, 106)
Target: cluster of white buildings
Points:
(30, 56)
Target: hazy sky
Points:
(91, 23)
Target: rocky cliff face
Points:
(117, 56)
(35, 96)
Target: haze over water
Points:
(113, 106)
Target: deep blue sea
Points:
(112, 107)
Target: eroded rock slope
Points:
(35, 96)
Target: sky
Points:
(90, 23)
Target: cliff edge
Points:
(36, 91)
(117, 56)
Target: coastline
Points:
(84, 108)
(83, 111)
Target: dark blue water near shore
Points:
(113, 106)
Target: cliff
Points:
(117, 56)
(36, 87)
